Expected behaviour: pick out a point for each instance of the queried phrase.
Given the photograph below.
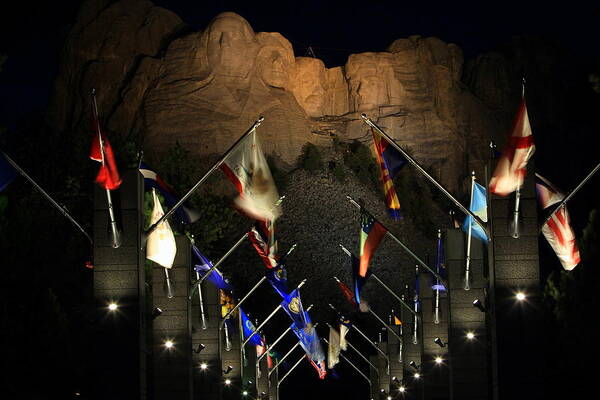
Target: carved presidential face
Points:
(309, 85)
(368, 76)
(231, 46)
(275, 59)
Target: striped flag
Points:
(511, 168)
(186, 214)
(557, 230)
(390, 162)
(371, 234)
(262, 237)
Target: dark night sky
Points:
(32, 33)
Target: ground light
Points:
(203, 366)
(245, 393)
(470, 335)
(439, 342)
(439, 360)
(520, 296)
(228, 382)
(477, 303)
(169, 344)
(113, 306)
(401, 389)
(417, 375)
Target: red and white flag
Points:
(246, 166)
(262, 236)
(511, 168)
(101, 151)
(557, 230)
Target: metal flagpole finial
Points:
(473, 174)
(364, 116)
(336, 279)
(93, 91)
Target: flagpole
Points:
(468, 260)
(366, 338)
(201, 303)
(515, 221)
(436, 314)
(276, 366)
(571, 194)
(369, 122)
(60, 208)
(391, 292)
(348, 361)
(206, 175)
(169, 285)
(358, 352)
(116, 236)
(278, 339)
(391, 235)
(279, 307)
(196, 285)
(416, 307)
(290, 371)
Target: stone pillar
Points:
(172, 367)
(435, 377)
(120, 342)
(468, 359)
(412, 352)
(206, 381)
(234, 359)
(393, 352)
(519, 325)
(262, 380)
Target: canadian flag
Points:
(511, 168)
(557, 230)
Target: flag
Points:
(226, 301)
(333, 349)
(440, 266)
(309, 341)
(557, 230)
(101, 151)
(371, 234)
(292, 304)
(479, 207)
(246, 166)
(186, 214)
(7, 173)
(160, 246)
(390, 162)
(262, 237)
(358, 281)
(347, 293)
(396, 321)
(511, 168)
(202, 265)
(344, 328)
(248, 328)
(277, 277)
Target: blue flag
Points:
(440, 267)
(309, 340)
(277, 277)
(7, 173)
(293, 307)
(248, 328)
(358, 281)
(478, 207)
(185, 214)
(201, 265)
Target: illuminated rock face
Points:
(204, 89)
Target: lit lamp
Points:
(438, 360)
(401, 389)
(245, 393)
(520, 296)
(203, 366)
(228, 382)
(470, 335)
(228, 370)
(113, 306)
(169, 344)
(395, 380)
(439, 342)
(478, 304)
(414, 365)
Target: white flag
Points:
(557, 230)
(343, 331)
(511, 168)
(160, 246)
(246, 166)
(333, 349)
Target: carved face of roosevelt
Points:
(231, 46)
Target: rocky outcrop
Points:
(203, 89)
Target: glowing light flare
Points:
(228, 382)
(470, 335)
(520, 296)
(417, 375)
(244, 393)
(203, 366)
(113, 306)
(438, 360)
(169, 344)
(401, 389)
